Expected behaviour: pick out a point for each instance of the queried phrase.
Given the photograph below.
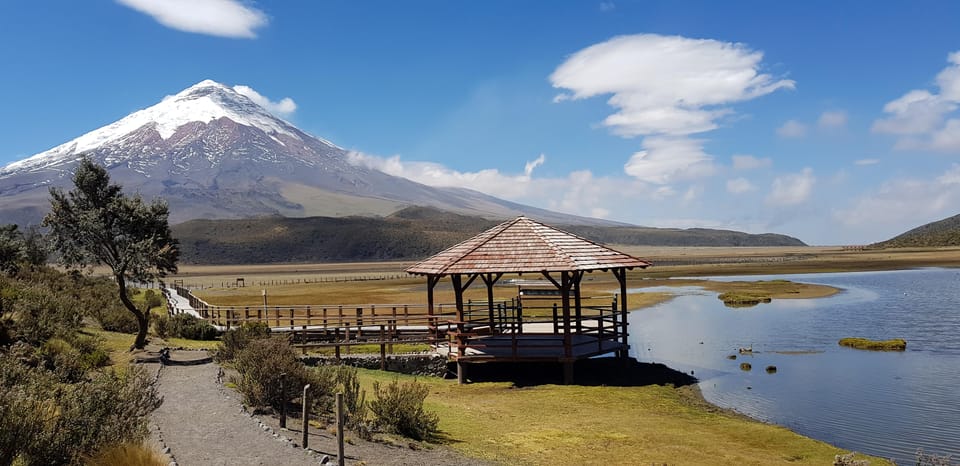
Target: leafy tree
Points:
(96, 224)
(11, 248)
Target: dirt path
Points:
(202, 423)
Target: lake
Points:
(886, 404)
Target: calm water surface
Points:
(882, 403)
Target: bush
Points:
(45, 421)
(191, 328)
(354, 399)
(161, 325)
(259, 367)
(151, 299)
(41, 313)
(237, 338)
(399, 409)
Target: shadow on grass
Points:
(588, 372)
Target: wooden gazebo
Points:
(523, 246)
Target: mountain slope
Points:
(412, 233)
(941, 233)
(213, 153)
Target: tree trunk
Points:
(141, 340)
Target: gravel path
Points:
(202, 423)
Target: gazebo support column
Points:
(568, 371)
(577, 306)
(432, 281)
(461, 372)
(490, 279)
(621, 275)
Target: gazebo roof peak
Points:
(524, 245)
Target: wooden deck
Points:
(530, 347)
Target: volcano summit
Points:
(213, 153)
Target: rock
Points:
(771, 369)
(745, 366)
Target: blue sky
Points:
(835, 122)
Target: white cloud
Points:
(529, 166)
(832, 119)
(792, 129)
(921, 118)
(740, 186)
(665, 84)
(283, 107)
(668, 159)
(951, 176)
(749, 162)
(902, 204)
(223, 18)
(865, 162)
(607, 6)
(433, 174)
(792, 189)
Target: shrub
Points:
(399, 409)
(41, 313)
(161, 325)
(354, 399)
(151, 299)
(191, 328)
(45, 421)
(236, 339)
(127, 454)
(259, 367)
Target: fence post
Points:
(283, 401)
(383, 350)
(306, 416)
(340, 459)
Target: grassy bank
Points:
(560, 425)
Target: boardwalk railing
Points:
(530, 328)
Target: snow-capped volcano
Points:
(204, 102)
(212, 152)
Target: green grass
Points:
(558, 425)
(896, 344)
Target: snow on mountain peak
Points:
(205, 101)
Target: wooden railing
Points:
(336, 326)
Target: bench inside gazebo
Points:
(564, 332)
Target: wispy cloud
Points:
(792, 129)
(865, 162)
(749, 162)
(222, 18)
(834, 119)
(792, 189)
(283, 107)
(740, 186)
(922, 119)
(666, 88)
(607, 6)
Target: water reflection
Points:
(887, 404)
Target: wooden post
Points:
(283, 401)
(340, 458)
(276, 311)
(309, 316)
(461, 372)
(306, 416)
(556, 322)
(336, 338)
(383, 350)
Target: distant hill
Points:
(941, 233)
(411, 233)
(647, 236)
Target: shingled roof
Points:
(524, 245)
